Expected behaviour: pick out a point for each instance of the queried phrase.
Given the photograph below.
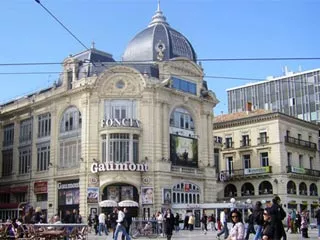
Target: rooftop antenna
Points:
(158, 9)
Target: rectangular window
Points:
(229, 165)
(43, 157)
(119, 147)
(264, 159)
(263, 138)
(69, 79)
(44, 125)
(7, 161)
(245, 141)
(42, 197)
(24, 160)
(289, 158)
(70, 153)
(228, 143)
(246, 161)
(311, 162)
(8, 135)
(21, 196)
(184, 86)
(26, 130)
(120, 109)
(301, 161)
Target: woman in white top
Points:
(237, 231)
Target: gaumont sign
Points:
(125, 122)
(133, 167)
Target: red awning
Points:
(18, 189)
(8, 205)
(4, 189)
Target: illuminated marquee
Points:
(104, 167)
(125, 122)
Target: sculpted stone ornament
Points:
(160, 47)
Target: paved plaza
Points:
(199, 235)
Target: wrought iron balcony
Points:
(303, 171)
(228, 145)
(245, 143)
(300, 143)
(263, 140)
(243, 173)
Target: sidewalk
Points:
(199, 235)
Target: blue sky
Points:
(216, 29)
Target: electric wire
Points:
(51, 14)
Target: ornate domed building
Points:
(136, 133)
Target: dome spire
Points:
(158, 17)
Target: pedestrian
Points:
(102, 224)
(268, 228)
(237, 231)
(289, 223)
(250, 228)
(304, 225)
(159, 217)
(223, 219)
(317, 216)
(113, 221)
(293, 217)
(176, 222)
(258, 219)
(185, 222)
(96, 223)
(277, 215)
(90, 223)
(204, 223)
(298, 221)
(120, 225)
(169, 223)
(127, 221)
(191, 222)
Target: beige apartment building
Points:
(136, 133)
(260, 153)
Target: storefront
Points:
(68, 196)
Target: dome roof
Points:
(158, 42)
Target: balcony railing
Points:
(229, 145)
(263, 140)
(303, 171)
(186, 170)
(245, 143)
(236, 173)
(300, 143)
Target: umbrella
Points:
(108, 203)
(128, 203)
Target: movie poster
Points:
(166, 196)
(93, 195)
(113, 193)
(126, 193)
(147, 195)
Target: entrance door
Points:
(197, 216)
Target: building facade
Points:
(295, 94)
(137, 132)
(260, 153)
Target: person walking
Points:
(277, 215)
(258, 219)
(127, 221)
(169, 223)
(191, 222)
(160, 223)
(176, 222)
(223, 219)
(102, 224)
(204, 223)
(185, 222)
(304, 225)
(317, 216)
(268, 228)
(250, 228)
(120, 225)
(237, 230)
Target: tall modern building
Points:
(135, 134)
(294, 94)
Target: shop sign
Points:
(68, 185)
(125, 122)
(40, 187)
(132, 167)
(298, 170)
(249, 171)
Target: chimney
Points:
(248, 106)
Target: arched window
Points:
(186, 193)
(303, 190)
(247, 189)
(71, 120)
(70, 138)
(291, 188)
(265, 188)
(230, 191)
(181, 119)
(313, 189)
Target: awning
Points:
(19, 189)
(4, 189)
(108, 203)
(128, 203)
